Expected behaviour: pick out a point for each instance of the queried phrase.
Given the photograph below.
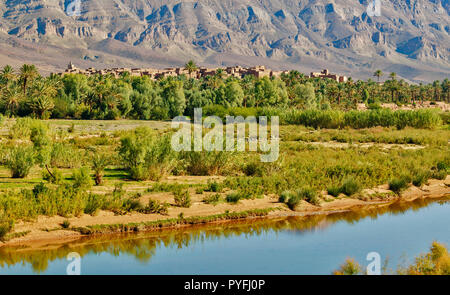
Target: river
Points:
(293, 245)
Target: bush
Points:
(166, 187)
(147, 156)
(212, 199)
(205, 163)
(293, 201)
(442, 166)
(440, 175)
(155, 206)
(254, 169)
(21, 128)
(64, 156)
(333, 119)
(334, 191)
(182, 198)
(93, 204)
(420, 178)
(214, 186)
(55, 177)
(350, 187)
(65, 224)
(20, 160)
(131, 204)
(309, 195)
(82, 179)
(397, 185)
(285, 196)
(233, 198)
(350, 267)
(99, 163)
(6, 225)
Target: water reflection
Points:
(143, 246)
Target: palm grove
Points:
(26, 93)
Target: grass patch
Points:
(399, 184)
(213, 199)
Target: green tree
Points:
(191, 67)
(27, 74)
(378, 74)
(173, 98)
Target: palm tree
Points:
(11, 96)
(393, 75)
(437, 90)
(378, 74)
(41, 105)
(43, 92)
(27, 74)
(446, 89)
(99, 163)
(191, 67)
(7, 73)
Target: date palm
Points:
(42, 94)
(7, 74)
(27, 74)
(378, 74)
(11, 97)
(446, 89)
(393, 75)
(191, 67)
(99, 163)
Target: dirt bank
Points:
(48, 230)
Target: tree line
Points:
(27, 93)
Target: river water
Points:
(294, 245)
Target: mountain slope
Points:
(411, 37)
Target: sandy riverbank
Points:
(48, 230)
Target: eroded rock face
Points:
(283, 30)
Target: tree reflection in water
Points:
(143, 246)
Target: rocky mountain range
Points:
(410, 37)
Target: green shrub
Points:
(182, 198)
(94, 203)
(212, 199)
(308, 194)
(293, 201)
(205, 163)
(350, 187)
(397, 185)
(333, 119)
(65, 224)
(20, 160)
(440, 175)
(55, 177)
(285, 196)
(147, 156)
(21, 128)
(131, 204)
(82, 178)
(166, 187)
(64, 156)
(71, 129)
(254, 169)
(441, 166)
(334, 191)
(214, 186)
(6, 225)
(156, 207)
(233, 198)
(99, 163)
(420, 178)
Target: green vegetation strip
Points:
(172, 222)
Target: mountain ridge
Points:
(411, 37)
